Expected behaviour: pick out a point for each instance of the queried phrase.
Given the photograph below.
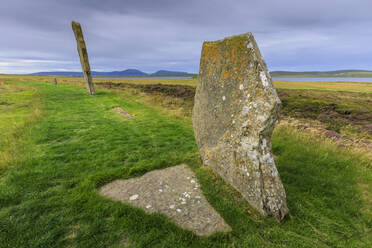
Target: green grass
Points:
(15, 105)
(49, 198)
(18, 108)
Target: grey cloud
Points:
(168, 34)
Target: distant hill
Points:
(125, 73)
(128, 72)
(338, 73)
(164, 72)
(57, 73)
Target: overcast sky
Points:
(149, 35)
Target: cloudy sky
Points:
(149, 35)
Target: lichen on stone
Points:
(235, 110)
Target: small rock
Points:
(133, 197)
(123, 113)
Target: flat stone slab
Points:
(123, 113)
(172, 191)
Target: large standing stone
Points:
(235, 110)
(83, 54)
(55, 81)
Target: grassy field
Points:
(76, 143)
(342, 73)
(18, 108)
(364, 87)
(348, 112)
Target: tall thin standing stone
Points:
(235, 110)
(55, 81)
(83, 53)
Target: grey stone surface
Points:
(172, 191)
(84, 60)
(55, 81)
(236, 107)
(123, 113)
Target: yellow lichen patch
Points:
(237, 46)
(210, 57)
(225, 74)
(210, 71)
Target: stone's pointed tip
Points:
(75, 24)
(248, 34)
